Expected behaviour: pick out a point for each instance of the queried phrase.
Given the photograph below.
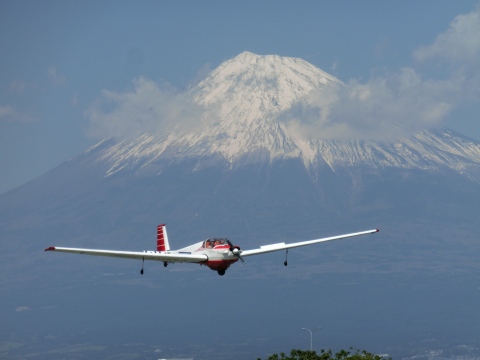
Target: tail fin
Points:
(162, 238)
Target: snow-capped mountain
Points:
(243, 99)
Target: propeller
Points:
(235, 251)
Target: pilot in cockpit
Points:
(211, 243)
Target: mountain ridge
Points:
(426, 150)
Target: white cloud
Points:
(8, 113)
(55, 77)
(74, 101)
(458, 47)
(396, 105)
(384, 108)
(460, 43)
(147, 108)
(18, 86)
(22, 308)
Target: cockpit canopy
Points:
(212, 243)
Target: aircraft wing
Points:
(282, 246)
(183, 257)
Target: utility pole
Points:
(311, 335)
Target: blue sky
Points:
(58, 57)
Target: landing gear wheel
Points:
(285, 263)
(221, 272)
(141, 272)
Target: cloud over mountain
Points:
(384, 108)
(401, 103)
(458, 50)
(147, 107)
(459, 44)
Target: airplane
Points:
(216, 253)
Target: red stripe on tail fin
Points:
(162, 238)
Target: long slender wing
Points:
(282, 246)
(147, 255)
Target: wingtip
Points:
(378, 230)
(51, 248)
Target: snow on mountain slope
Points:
(430, 149)
(244, 97)
(247, 93)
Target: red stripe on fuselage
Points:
(219, 264)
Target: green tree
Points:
(353, 354)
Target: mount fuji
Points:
(238, 169)
(245, 98)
